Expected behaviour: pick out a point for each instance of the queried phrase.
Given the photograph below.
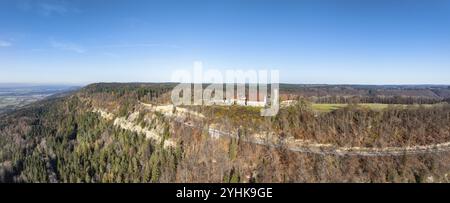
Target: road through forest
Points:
(301, 146)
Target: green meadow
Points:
(373, 106)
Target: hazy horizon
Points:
(19, 84)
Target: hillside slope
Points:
(129, 133)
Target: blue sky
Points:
(345, 41)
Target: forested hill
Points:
(116, 132)
(389, 94)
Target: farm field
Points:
(13, 96)
(374, 106)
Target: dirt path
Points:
(324, 149)
(328, 149)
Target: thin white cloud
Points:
(5, 43)
(135, 45)
(109, 54)
(38, 50)
(68, 46)
(47, 7)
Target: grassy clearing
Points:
(332, 107)
(373, 106)
(327, 107)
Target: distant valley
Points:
(13, 96)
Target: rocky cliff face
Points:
(131, 133)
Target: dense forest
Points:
(387, 94)
(65, 140)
